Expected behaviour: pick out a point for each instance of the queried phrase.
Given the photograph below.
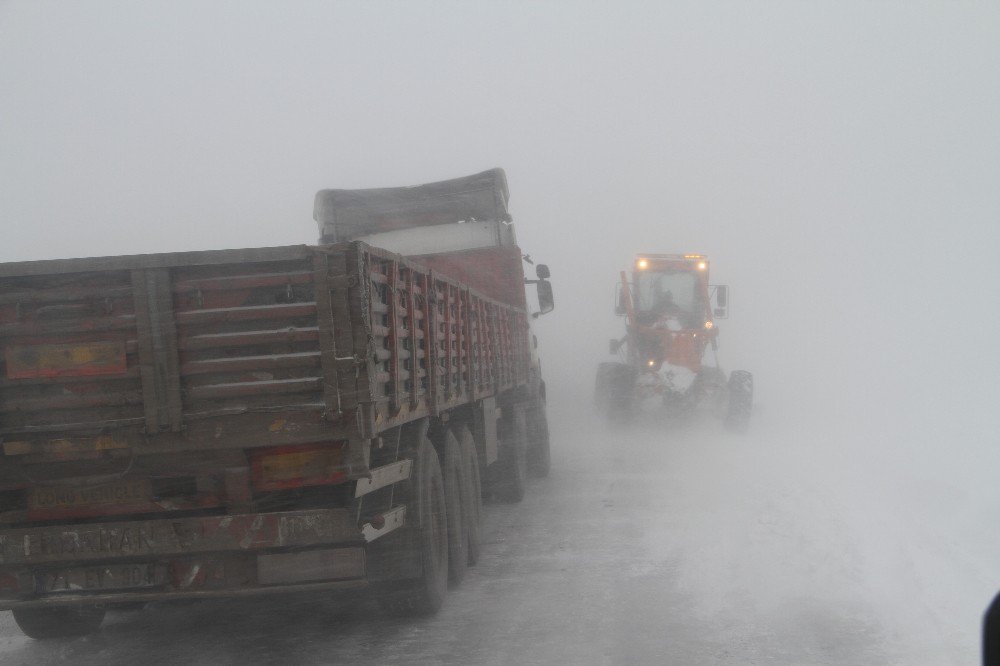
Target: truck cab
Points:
(459, 227)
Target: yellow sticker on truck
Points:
(84, 359)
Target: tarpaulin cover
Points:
(347, 214)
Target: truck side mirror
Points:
(546, 301)
(722, 295)
(542, 271)
(620, 303)
(614, 346)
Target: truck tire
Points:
(539, 453)
(455, 495)
(426, 548)
(510, 476)
(740, 400)
(472, 500)
(59, 622)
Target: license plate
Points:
(86, 359)
(126, 493)
(110, 577)
(310, 566)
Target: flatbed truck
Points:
(249, 422)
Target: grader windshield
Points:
(669, 293)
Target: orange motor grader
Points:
(669, 352)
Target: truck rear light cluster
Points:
(284, 467)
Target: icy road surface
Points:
(654, 544)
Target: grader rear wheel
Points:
(740, 400)
(603, 385)
(619, 388)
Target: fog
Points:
(838, 161)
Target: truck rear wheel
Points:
(740, 400)
(455, 495)
(472, 500)
(426, 549)
(60, 622)
(510, 476)
(539, 453)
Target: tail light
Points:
(283, 467)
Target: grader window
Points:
(669, 293)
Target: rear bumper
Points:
(113, 599)
(203, 557)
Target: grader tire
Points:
(740, 400)
(603, 385)
(622, 384)
(613, 391)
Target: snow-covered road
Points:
(656, 544)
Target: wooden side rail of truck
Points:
(243, 422)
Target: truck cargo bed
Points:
(241, 349)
